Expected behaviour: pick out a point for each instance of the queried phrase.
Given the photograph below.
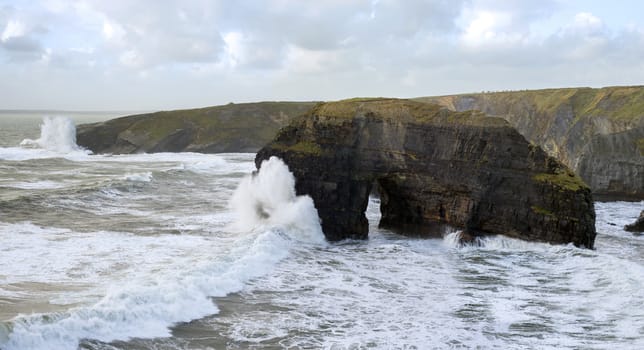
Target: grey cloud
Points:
(21, 45)
(405, 19)
(321, 26)
(628, 48)
(571, 44)
(171, 31)
(373, 29)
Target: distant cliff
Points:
(431, 166)
(243, 127)
(599, 133)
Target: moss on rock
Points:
(640, 146)
(306, 147)
(542, 211)
(564, 179)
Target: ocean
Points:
(167, 251)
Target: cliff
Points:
(431, 166)
(241, 127)
(599, 133)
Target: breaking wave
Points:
(266, 199)
(161, 292)
(57, 134)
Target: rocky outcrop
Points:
(599, 133)
(231, 128)
(431, 166)
(637, 226)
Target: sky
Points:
(172, 54)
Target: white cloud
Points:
(488, 27)
(19, 39)
(14, 29)
(234, 51)
(305, 61)
(587, 23)
(583, 39)
(113, 31)
(132, 58)
(46, 57)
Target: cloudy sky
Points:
(167, 54)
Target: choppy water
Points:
(146, 251)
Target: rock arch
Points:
(433, 166)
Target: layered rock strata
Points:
(431, 165)
(599, 133)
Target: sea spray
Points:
(267, 199)
(502, 243)
(147, 304)
(57, 134)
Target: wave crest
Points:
(266, 199)
(57, 134)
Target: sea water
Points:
(192, 251)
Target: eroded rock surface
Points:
(599, 133)
(432, 166)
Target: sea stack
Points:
(431, 165)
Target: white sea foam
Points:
(395, 292)
(92, 277)
(22, 154)
(267, 199)
(403, 293)
(494, 242)
(453, 239)
(167, 279)
(57, 134)
(139, 177)
(57, 139)
(36, 185)
(139, 286)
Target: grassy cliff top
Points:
(264, 118)
(617, 103)
(205, 115)
(402, 110)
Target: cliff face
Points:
(231, 128)
(431, 166)
(599, 133)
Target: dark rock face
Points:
(431, 166)
(638, 225)
(244, 127)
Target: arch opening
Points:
(403, 212)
